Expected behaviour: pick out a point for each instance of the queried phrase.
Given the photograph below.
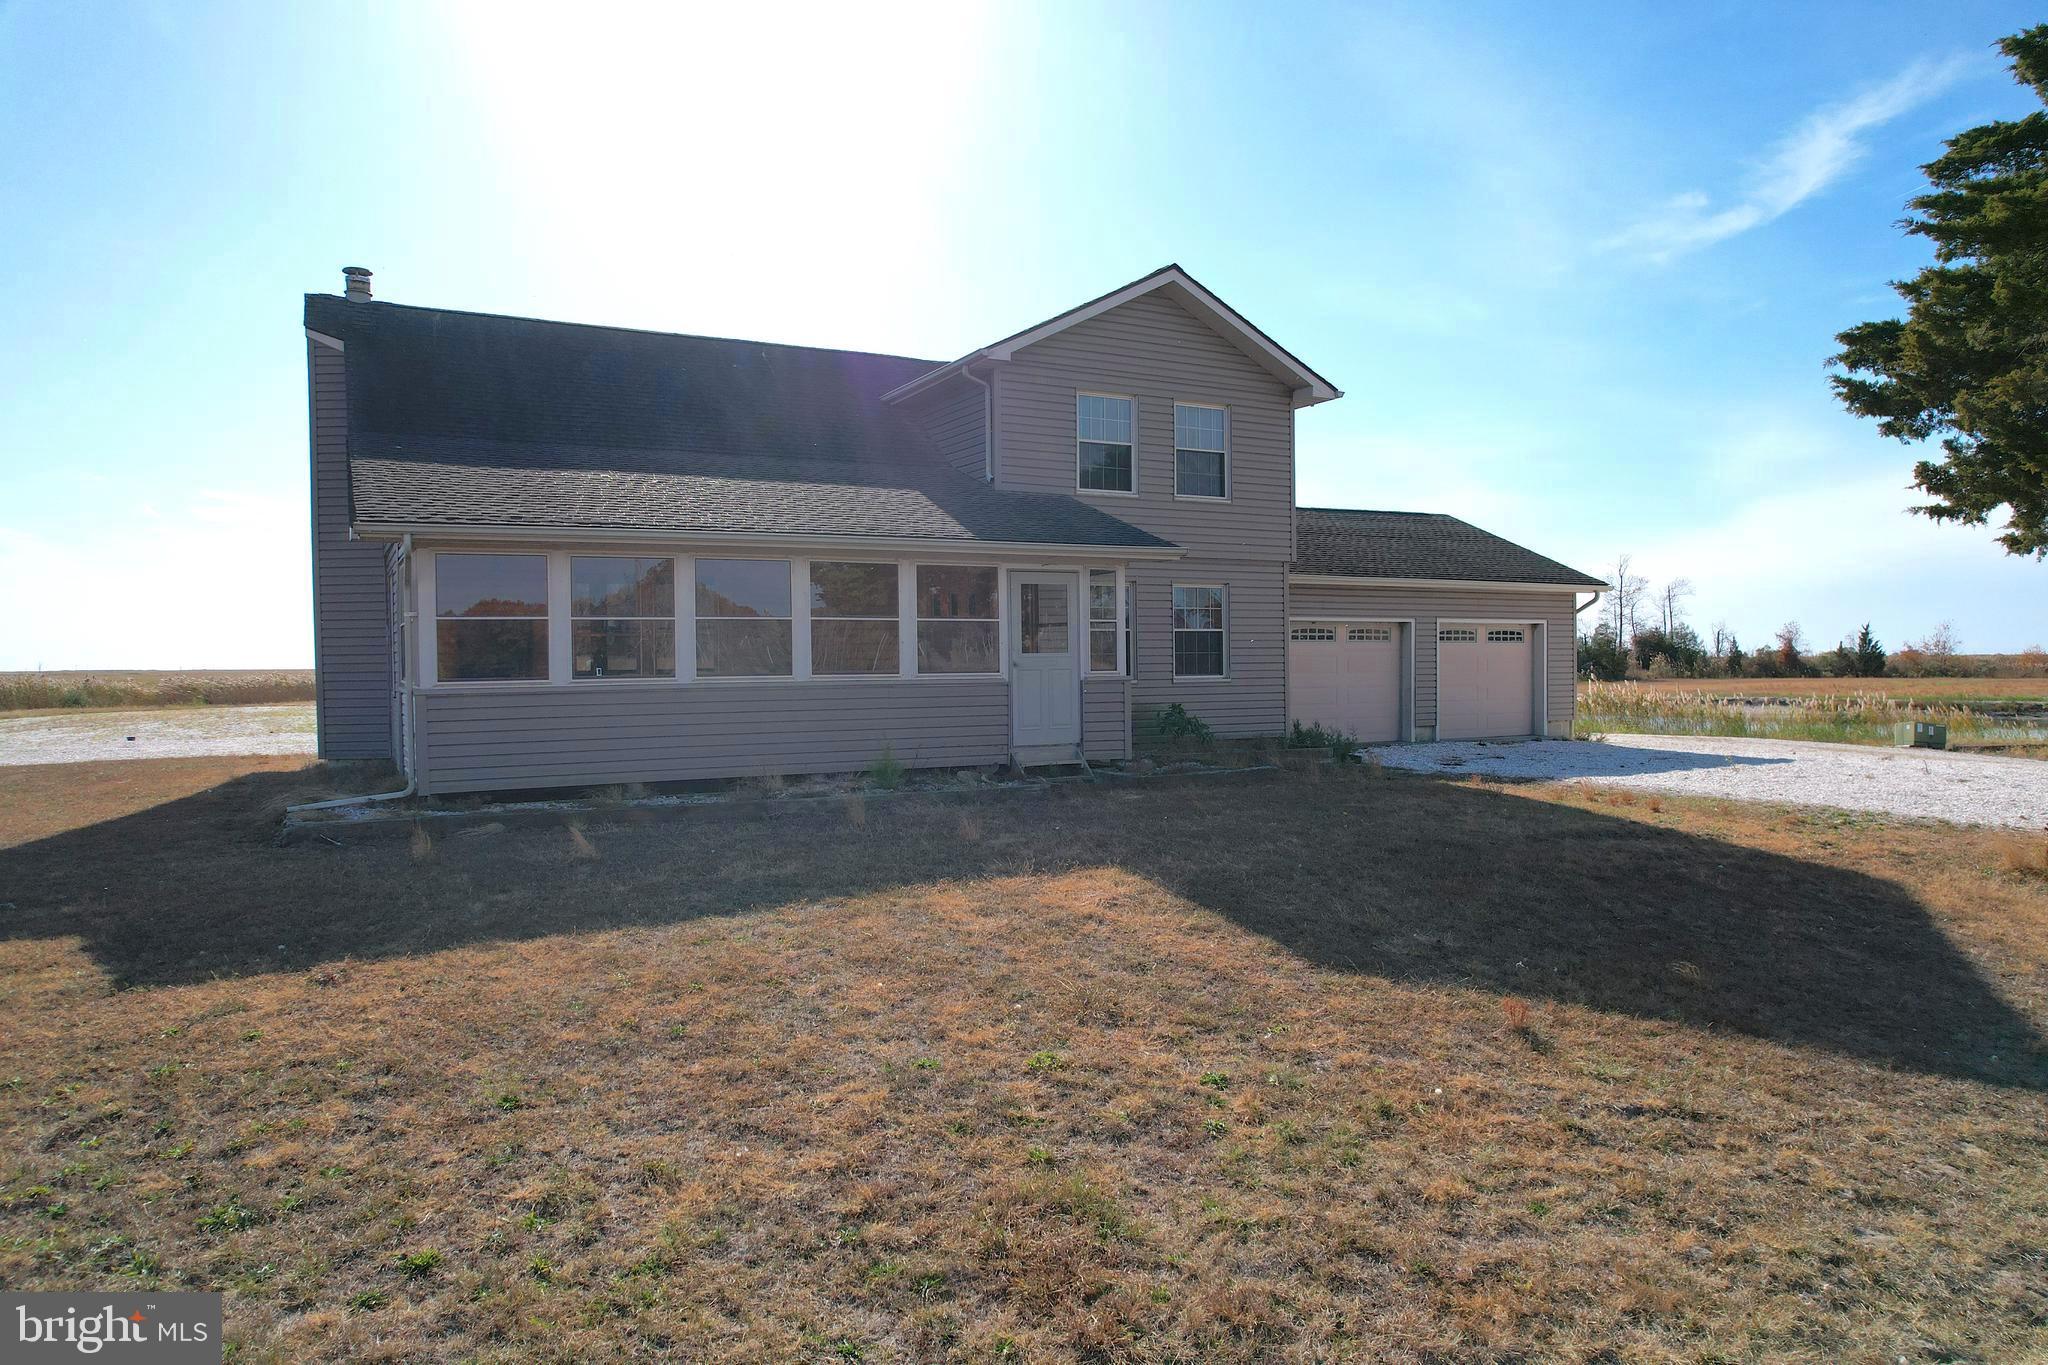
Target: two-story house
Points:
(550, 554)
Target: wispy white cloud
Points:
(1809, 159)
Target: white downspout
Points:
(405, 645)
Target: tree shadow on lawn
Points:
(1455, 884)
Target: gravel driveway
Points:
(1965, 788)
(182, 732)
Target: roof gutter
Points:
(932, 378)
(1340, 580)
(639, 536)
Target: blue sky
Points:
(1577, 270)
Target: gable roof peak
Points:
(1309, 387)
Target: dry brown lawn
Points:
(1309, 1067)
(1934, 691)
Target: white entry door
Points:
(1485, 680)
(1045, 659)
(1346, 675)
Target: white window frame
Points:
(1132, 399)
(1222, 591)
(1001, 618)
(1224, 496)
(569, 558)
(1123, 665)
(810, 664)
(425, 578)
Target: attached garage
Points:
(1349, 676)
(1486, 683)
(1459, 634)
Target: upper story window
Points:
(490, 617)
(622, 617)
(1104, 441)
(853, 618)
(743, 618)
(1201, 455)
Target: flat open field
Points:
(89, 689)
(1324, 1066)
(1939, 691)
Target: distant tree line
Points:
(1644, 634)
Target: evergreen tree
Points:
(1970, 362)
(1870, 655)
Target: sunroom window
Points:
(853, 618)
(1102, 621)
(622, 617)
(490, 617)
(743, 618)
(956, 619)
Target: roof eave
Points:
(1510, 585)
(375, 530)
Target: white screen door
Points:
(1045, 659)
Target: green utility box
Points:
(1922, 734)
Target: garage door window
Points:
(1504, 637)
(1371, 633)
(1457, 636)
(1312, 633)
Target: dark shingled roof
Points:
(1347, 543)
(470, 419)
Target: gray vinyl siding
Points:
(955, 417)
(1105, 718)
(1156, 352)
(1251, 701)
(351, 600)
(484, 738)
(1427, 606)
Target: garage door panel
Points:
(1346, 675)
(1485, 680)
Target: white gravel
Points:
(183, 732)
(1932, 784)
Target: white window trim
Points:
(570, 618)
(1228, 461)
(1002, 619)
(1123, 665)
(429, 611)
(1223, 591)
(1130, 398)
(810, 616)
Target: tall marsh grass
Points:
(218, 687)
(1867, 717)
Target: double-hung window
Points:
(1104, 442)
(1102, 621)
(743, 618)
(622, 617)
(956, 619)
(853, 618)
(1198, 631)
(1201, 454)
(490, 617)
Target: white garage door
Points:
(1485, 680)
(1346, 675)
